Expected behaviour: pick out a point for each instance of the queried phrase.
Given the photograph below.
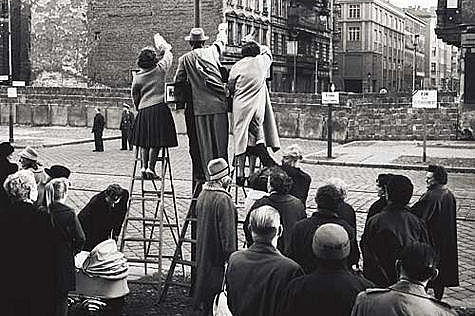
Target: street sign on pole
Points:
(12, 92)
(16, 83)
(330, 98)
(425, 99)
(4, 77)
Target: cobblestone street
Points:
(94, 171)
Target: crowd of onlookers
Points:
(40, 233)
(299, 265)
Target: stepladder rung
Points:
(140, 239)
(185, 262)
(142, 260)
(189, 240)
(182, 284)
(138, 281)
(145, 198)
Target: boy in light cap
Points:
(301, 180)
(331, 289)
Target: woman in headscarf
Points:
(29, 161)
(68, 240)
(154, 126)
(26, 250)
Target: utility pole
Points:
(197, 13)
(414, 66)
(316, 71)
(331, 86)
(10, 72)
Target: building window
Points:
(264, 36)
(283, 43)
(354, 11)
(230, 32)
(433, 67)
(239, 34)
(354, 33)
(275, 44)
(256, 5)
(248, 29)
(257, 34)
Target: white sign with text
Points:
(425, 99)
(330, 98)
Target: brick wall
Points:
(120, 28)
(297, 115)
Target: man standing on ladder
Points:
(216, 237)
(206, 112)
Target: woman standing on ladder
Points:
(154, 126)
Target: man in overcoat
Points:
(216, 235)
(206, 115)
(98, 129)
(416, 265)
(102, 217)
(126, 124)
(332, 288)
(256, 277)
(301, 237)
(389, 231)
(438, 208)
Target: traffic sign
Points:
(330, 98)
(12, 93)
(425, 99)
(17, 83)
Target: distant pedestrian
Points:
(154, 127)
(301, 180)
(388, 232)
(331, 289)
(6, 168)
(290, 208)
(416, 266)
(126, 125)
(256, 277)
(29, 161)
(438, 209)
(98, 129)
(344, 210)
(26, 270)
(103, 216)
(254, 126)
(206, 114)
(327, 198)
(67, 240)
(55, 172)
(216, 236)
(381, 184)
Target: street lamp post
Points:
(197, 13)
(316, 71)
(416, 37)
(370, 86)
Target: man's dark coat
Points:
(384, 236)
(301, 182)
(323, 292)
(302, 236)
(437, 208)
(290, 209)
(68, 240)
(97, 129)
(216, 240)
(6, 168)
(256, 279)
(101, 222)
(346, 212)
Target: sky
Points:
(406, 3)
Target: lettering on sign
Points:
(330, 98)
(425, 99)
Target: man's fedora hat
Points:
(29, 153)
(196, 35)
(58, 171)
(218, 168)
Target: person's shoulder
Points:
(371, 292)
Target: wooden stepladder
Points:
(190, 222)
(151, 218)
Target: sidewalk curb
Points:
(73, 142)
(384, 166)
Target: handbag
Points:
(220, 302)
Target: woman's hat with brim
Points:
(29, 153)
(196, 35)
(331, 242)
(58, 171)
(6, 149)
(218, 168)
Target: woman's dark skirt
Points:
(154, 127)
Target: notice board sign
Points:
(425, 99)
(330, 98)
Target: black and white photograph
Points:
(237, 157)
